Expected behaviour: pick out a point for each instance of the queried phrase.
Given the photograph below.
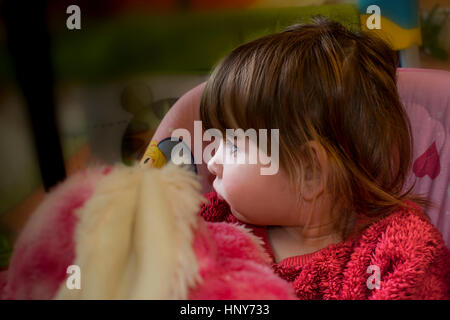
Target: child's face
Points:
(253, 198)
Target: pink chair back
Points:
(426, 97)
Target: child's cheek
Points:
(234, 185)
(240, 187)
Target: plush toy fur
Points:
(136, 233)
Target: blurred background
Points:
(70, 98)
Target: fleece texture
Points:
(136, 233)
(404, 248)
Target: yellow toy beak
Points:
(153, 157)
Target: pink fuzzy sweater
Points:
(408, 253)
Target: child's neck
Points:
(293, 241)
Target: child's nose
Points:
(215, 167)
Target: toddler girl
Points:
(336, 218)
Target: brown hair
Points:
(322, 82)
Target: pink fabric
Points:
(232, 263)
(426, 96)
(234, 266)
(45, 247)
(409, 251)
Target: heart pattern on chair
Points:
(428, 163)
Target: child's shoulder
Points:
(410, 221)
(410, 249)
(407, 231)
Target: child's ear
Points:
(315, 183)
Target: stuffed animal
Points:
(135, 233)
